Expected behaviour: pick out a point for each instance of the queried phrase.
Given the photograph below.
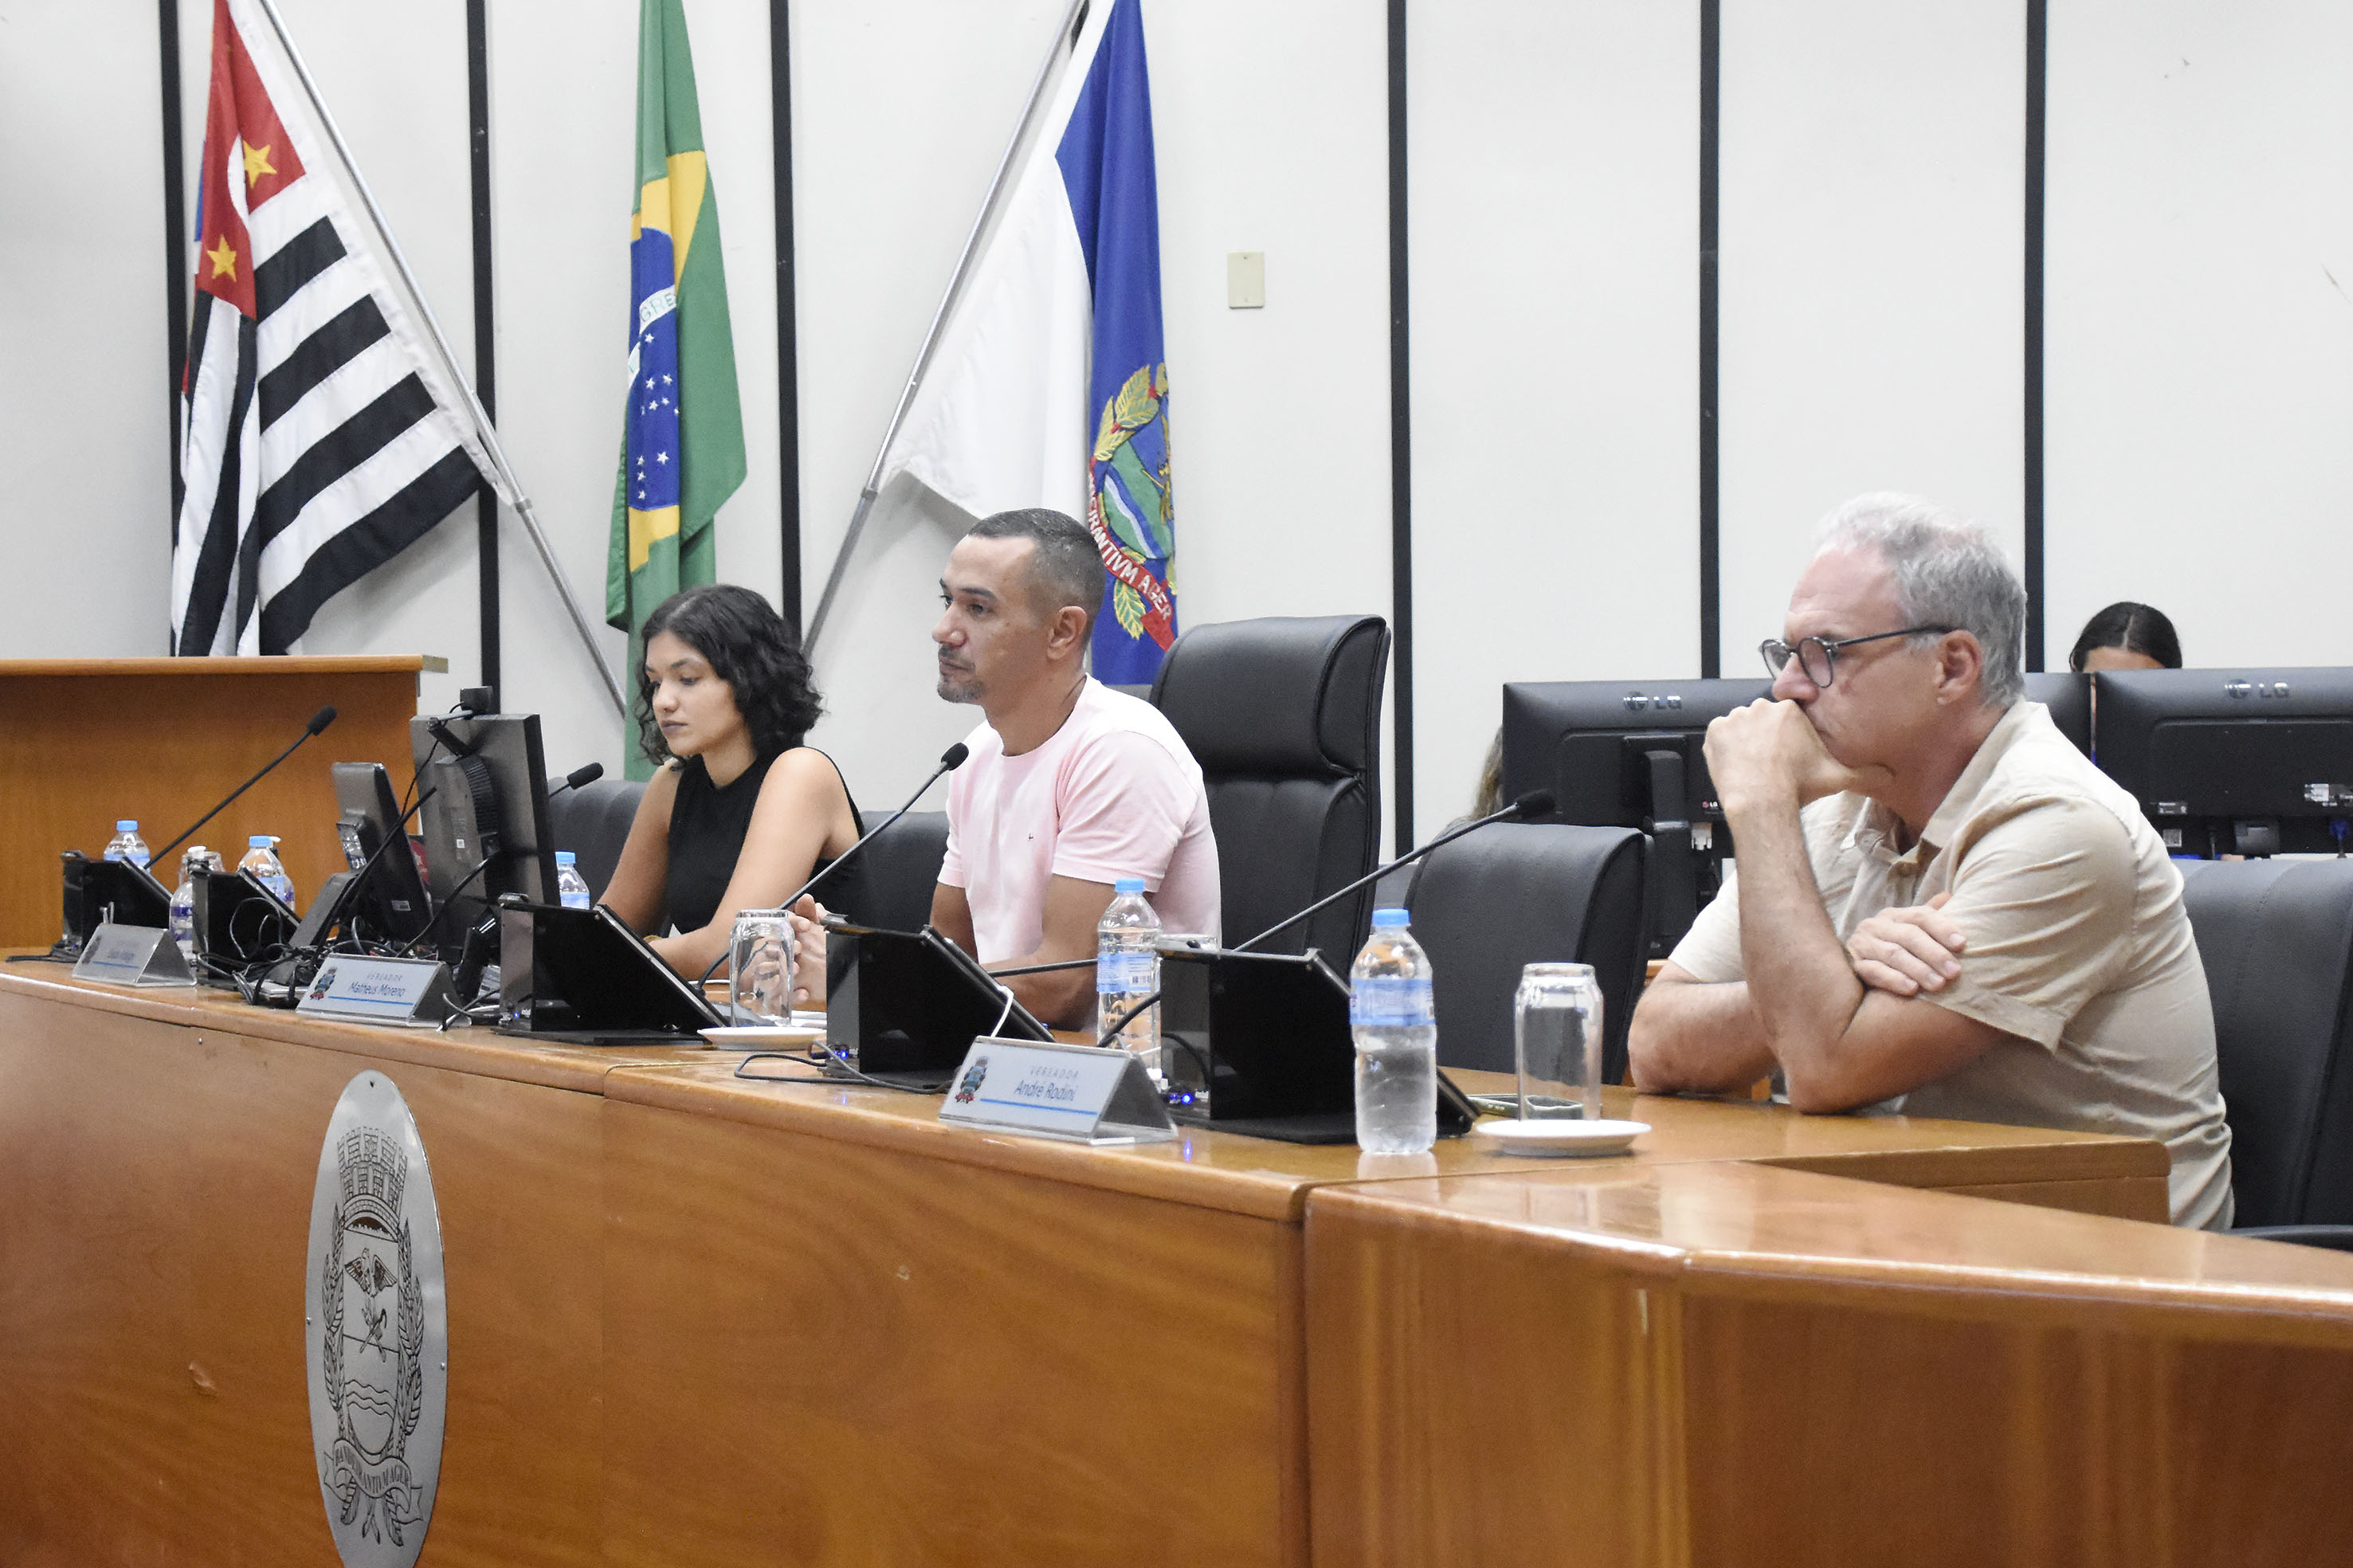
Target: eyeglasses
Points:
(1819, 658)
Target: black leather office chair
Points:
(1514, 894)
(903, 867)
(593, 822)
(1283, 715)
(2276, 937)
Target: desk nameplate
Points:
(1082, 1094)
(402, 992)
(133, 955)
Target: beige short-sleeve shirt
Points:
(2079, 949)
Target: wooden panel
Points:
(1812, 1371)
(479, 1052)
(2089, 1437)
(2124, 1198)
(1475, 1397)
(162, 740)
(819, 1352)
(155, 1185)
(1258, 1176)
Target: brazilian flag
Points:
(682, 436)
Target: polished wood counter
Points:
(1732, 1365)
(162, 740)
(696, 1319)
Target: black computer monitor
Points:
(1626, 753)
(2233, 762)
(2068, 698)
(489, 809)
(389, 904)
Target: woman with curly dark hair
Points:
(741, 813)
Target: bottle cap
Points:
(1385, 920)
(126, 825)
(565, 858)
(1126, 885)
(260, 841)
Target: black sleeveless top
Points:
(707, 824)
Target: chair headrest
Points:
(1279, 695)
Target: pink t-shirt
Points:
(1114, 792)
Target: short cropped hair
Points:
(750, 648)
(1949, 573)
(2136, 628)
(1065, 567)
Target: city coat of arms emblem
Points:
(377, 1330)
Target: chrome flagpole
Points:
(1064, 41)
(482, 426)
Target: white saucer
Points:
(766, 1037)
(1559, 1136)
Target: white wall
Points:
(2201, 283)
(84, 379)
(1872, 294)
(2201, 252)
(1554, 269)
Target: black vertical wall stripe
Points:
(177, 242)
(2038, 31)
(1400, 442)
(789, 404)
(1711, 100)
(478, 138)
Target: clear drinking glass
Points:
(1557, 1036)
(760, 966)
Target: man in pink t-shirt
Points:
(1070, 785)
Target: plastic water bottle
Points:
(195, 857)
(1397, 1041)
(126, 844)
(262, 860)
(571, 888)
(1127, 970)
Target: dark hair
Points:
(1065, 568)
(2135, 629)
(750, 648)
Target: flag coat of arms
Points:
(1051, 386)
(321, 436)
(683, 430)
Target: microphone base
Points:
(1266, 1036)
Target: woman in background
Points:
(741, 813)
(2126, 636)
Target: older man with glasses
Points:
(1939, 905)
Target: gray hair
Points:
(1949, 573)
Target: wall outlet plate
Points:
(1246, 279)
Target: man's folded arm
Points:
(1695, 1037)
(1891, 1046)
(1692, 1036)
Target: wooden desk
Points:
(2091, 1173)
(698, 1319)
(1733, 1364)
(89, 741)
(157, 1154)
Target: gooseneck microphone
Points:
(1535, 803)
(587, 775)
(950, 760)
(319, 720)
